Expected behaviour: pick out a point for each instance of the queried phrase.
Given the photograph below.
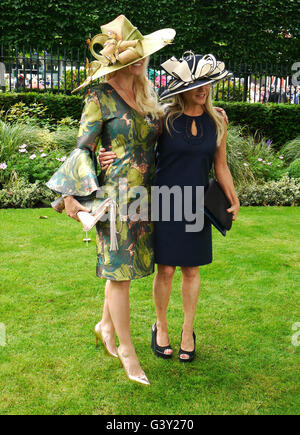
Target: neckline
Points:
(194, 116)
(132, 108)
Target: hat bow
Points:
(186, 70)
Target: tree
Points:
(247, 30)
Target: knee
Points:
(117, 285)
(190, 272)
(166, 272)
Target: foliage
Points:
(20, 193)
(13, 136)
(285, 191)
(294, 169)
(277, 122)
(19, 112)
(291, 149)
(73, 79)
(19, 142)
(252, 158)
(255, 31)
(230, 91)
(59, 106)
(38, 166)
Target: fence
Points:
(61, 72)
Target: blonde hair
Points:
(176, 108)
(146, 98)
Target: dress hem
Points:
(184, 265)
(124, 279)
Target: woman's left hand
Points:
(234, 209)
(222, 111)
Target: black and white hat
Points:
(192, 71)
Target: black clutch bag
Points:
(215, 205)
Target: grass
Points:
(50, 299)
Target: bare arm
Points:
(224, 177)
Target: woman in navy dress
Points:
(193, 139)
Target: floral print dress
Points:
(109, 122)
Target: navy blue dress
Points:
(184, 160)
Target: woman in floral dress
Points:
(121, 115)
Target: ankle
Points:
(162, 326)
(127, 350)
(188, 329)
(107, 327)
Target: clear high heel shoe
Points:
(99, 336)
(138, 379)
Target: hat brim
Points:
(197, 84)
(151, 43)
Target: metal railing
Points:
(26, 70)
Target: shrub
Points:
(277, 122)
(252, 158)
(294, 169)
(22, 194)
(291, 149)
(285, 191)
(12, 137)
(38, 166)
(59, 106)
(19, 112)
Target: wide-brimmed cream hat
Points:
(122, 45)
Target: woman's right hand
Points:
(106, 158)
(72, 207)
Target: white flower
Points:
(62, 159)
(33, 156)
(3, 166)
(43, 155)
(245, 164)
(281, 157)
(259, 159)
(22, 150)
(23, 146)
(269, 163)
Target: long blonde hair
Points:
(176, 108)
(146, 98)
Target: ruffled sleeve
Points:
(77, 176)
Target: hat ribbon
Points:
(113, 51)
(207, 67)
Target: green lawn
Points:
(50, 300)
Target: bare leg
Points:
(190, 296)
(119, 308)
(162, 287)
(107, 325)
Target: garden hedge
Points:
(59, 105)
(277, 122)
